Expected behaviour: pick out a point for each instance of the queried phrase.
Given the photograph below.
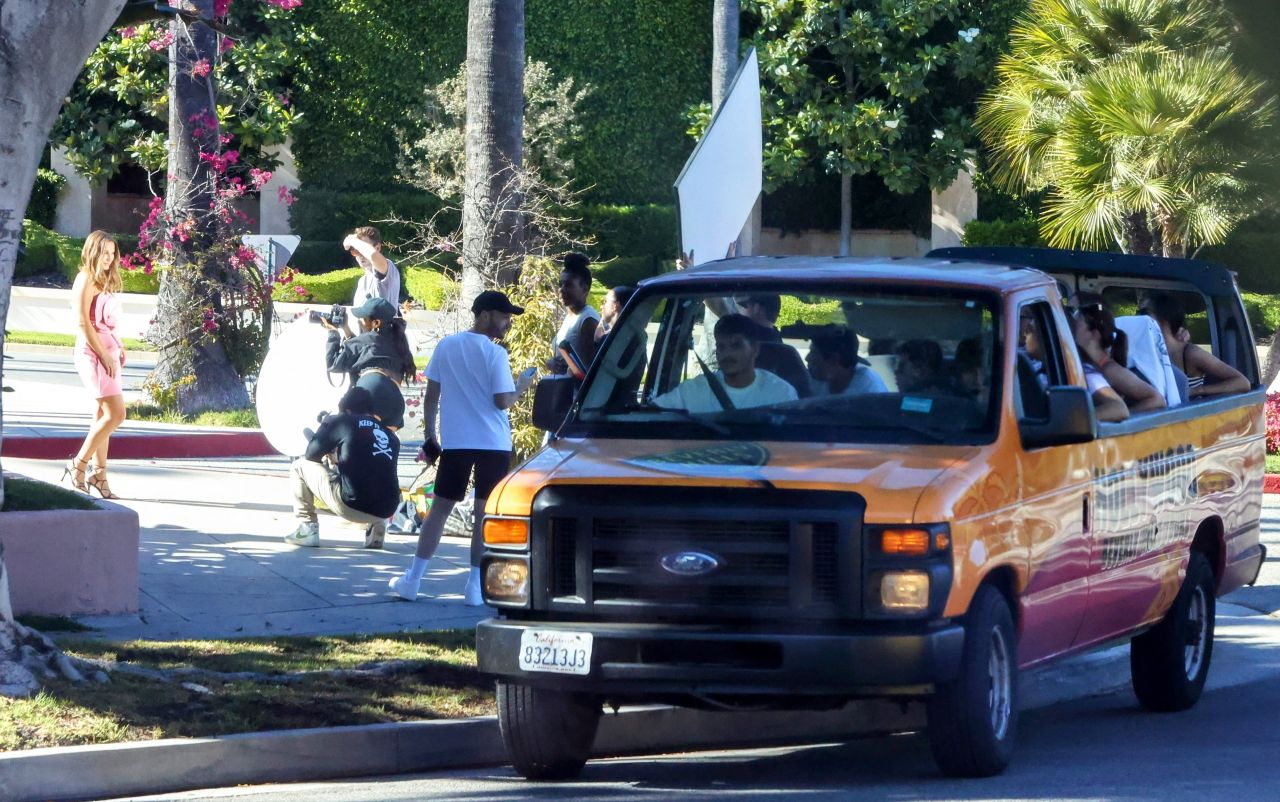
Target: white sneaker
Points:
(404, 587)
(307, 534)
(471, 595)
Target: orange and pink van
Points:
(931, 508)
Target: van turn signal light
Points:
(506, 532)
(905, 542)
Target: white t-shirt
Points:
(471, 369)
(696, 394)
(571, 326)
(1094, 380)
(371, 285)
(865, 380)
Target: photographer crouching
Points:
(350, 464)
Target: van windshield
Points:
(774, 363)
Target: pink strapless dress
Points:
(105, 314)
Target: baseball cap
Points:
(376, 309)
(494, 301)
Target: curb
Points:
(166, 766)
(148, 446)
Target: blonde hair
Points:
(104, 280)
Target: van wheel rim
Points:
(1197, 634)
(999, 685)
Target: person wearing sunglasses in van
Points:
(1104, 352)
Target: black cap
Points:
(375, 309)
(494, 301)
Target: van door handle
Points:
(1084, 514)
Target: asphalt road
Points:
(57, 368)
(1102, 748)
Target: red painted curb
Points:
(143, 446)
(1271, 483)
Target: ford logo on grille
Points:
(689, 563)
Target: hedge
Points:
(1022, 233)
(376, 56)
(428, 287)
(631, 230)
(325, 215)
(1253, 253)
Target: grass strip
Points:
(444, 684)
(240, 418)
(30, 495)
(67, 340)
(1273, 463)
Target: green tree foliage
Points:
(1136, 120)
(873, 86)
(432, 147)
(117, 113)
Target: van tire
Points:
(973, 719)
(1169, 663)
(548, 734)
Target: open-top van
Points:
(955, 516)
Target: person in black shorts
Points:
(469, 384)
(351, 465)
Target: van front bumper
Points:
(655, 659)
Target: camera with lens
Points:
(336, 316)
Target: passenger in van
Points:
(737, 346)
(1206, 374)
(775, 356)
(917, 367)
(834, 366)
(970, 374)
(1104, 352)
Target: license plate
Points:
(555, 652)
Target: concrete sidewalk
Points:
(212, 562)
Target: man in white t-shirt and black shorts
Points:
(469, 383)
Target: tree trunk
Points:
(189, 194)
(43, 45)
(491, 224)
(1271, 368)
(846, 212)
(1137, 235)
(724, 51)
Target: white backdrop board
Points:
(723, 177)
(294, 386)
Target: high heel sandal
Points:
(75, 470)
(98, 481)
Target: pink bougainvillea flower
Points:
(162, 41)
(286, 197)
(287, 5)
(226, 43)
(221, 7)
(201, 68)
(128, 32)
(300, 290)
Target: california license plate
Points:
(555, 652)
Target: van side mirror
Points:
(552, 401)
(1071, 420)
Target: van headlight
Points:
(904, 591)
(506, 581)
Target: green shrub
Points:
(625, 271)
(140, 282)
(630, 230)
(1021, 233)
(334, 287)
(1263, 312)
(797, 311)
(374, 56)
(47, 252)
(426, 286)
(43, 206)
(326, 215)
(1252, 254)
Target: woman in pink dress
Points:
(99, 358)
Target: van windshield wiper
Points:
(648, 406)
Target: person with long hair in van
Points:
(99, 358)
(1105, 352)
(1206, 374)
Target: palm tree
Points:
(495, 118)
(1135, 117)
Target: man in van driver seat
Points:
(737, 347)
